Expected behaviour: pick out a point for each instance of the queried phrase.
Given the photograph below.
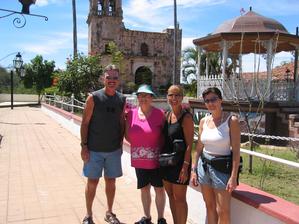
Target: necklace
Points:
(216, 121)
(175, 117)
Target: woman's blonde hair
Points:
(179, 89)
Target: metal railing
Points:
(65, 103)
(69, 104)
(261, 155)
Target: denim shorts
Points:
(211, 177)
(109, 162)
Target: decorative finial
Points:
(250, 8)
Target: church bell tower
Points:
(105, 22)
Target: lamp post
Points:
(17, 64)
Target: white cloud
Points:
(42, 3)
(56, 42)
(251, 62)
(187, 42)
(157, 13)
(48, 47)
(282, 7)
(49, 44)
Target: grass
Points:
(274, 178)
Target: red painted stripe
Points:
(272, 205)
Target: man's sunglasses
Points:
(111, 78)
(211, 100)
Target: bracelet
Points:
(83, 144)
(186, 162)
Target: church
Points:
(148, 56)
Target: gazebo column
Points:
(240, 65)
(224, 59)
(199, 50)
(296, 77)
(269, 47)
(207, 66)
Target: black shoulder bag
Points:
(172, 159)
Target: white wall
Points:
(19, 98)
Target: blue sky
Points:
(53, 38)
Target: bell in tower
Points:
(106, 7)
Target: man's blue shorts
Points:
(211, 176)
(109, 162)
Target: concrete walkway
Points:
(41, 175)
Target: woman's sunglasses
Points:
(211, 100)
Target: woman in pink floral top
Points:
(144, 132)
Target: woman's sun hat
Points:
(145, 89)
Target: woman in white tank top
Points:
(219, 135)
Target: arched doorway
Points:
(143, 75)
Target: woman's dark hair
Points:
(214, 90)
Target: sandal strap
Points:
(111, 218)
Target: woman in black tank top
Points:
(179, 125)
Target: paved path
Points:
(40, 173)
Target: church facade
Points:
(150, 53)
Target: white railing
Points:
(63, 102)
(279, 90)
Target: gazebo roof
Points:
(251, 22)
(245, 32)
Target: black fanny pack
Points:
(168, 159)
(172, 159)
(222, 164)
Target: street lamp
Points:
(17, 64)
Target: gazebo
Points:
(249, 33)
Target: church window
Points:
(111, 9)
(100, 7)
(144, 49)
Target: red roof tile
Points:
(281, 72)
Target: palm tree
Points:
(190, 66)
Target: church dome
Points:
(250, 22)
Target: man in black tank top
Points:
(102, 132)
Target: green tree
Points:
(190, 65)
(117, 59)
(117, 55)
(38, 74)
(4, 80)
(81, 76)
